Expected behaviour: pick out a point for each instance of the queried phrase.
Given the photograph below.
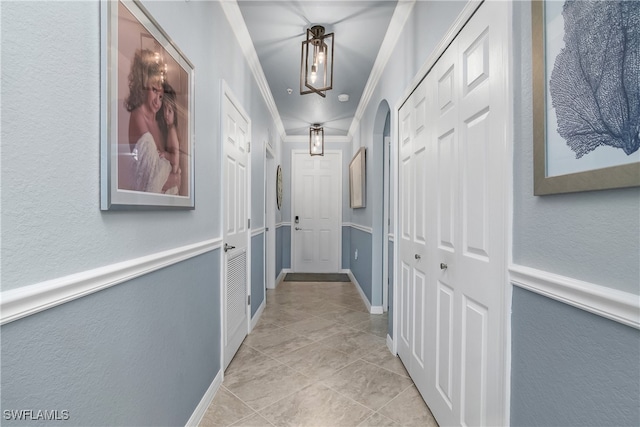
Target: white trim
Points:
(281, 276)
(256, 317)
(239, 28)
(22, 302)
(257, 231)
(454, 29)
(620, 306)
(206, 400)
(283, 224)
(390, 344)
(372, 309)
(394, 30)
(358, 227)
(392, 237)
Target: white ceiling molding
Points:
(234, 16)
(398, 20)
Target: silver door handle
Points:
(228, 247)
(418, 256)
(443, 266)
(298, 228)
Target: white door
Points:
(463, 193)
(270, 220)
(317, 212)
(236, 131)
(413, 290)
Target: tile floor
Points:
(317, 358)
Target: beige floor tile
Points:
(368, 384)
(376, 324)
(350, 317)
(408, 409)
(354, 341)
(316, 406)
(253, 421)
(377, 420)
(316, 328)
(248, 358)
(225, 410)
(382, 357)
(317, 361)
(314, 355)
(260, 389)
(276, 341)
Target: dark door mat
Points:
(316, 277)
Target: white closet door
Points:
(452, 269)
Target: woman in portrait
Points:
(153, 171)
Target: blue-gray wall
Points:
(257, 272)
(143, 352)
(570, 367)
(346, 247)
(361, 267)
(283, 248)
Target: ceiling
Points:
(277, 29)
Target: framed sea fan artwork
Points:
(586, 95)
(147, 113)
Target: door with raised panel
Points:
(316, 234)
(414, 292)
(459, 316)
(236, 131)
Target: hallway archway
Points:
(380, 204)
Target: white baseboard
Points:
(206, 400)
(623, 307)
(256, 317)
(281, 276)
(373, 309)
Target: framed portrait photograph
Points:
(357, 180)
(586, 96)
(147, 111)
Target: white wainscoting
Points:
(25, 301)
(623, 307)
(257, 231)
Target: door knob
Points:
(443, 266)
(298, 228)
(418, 256)
(228, 247)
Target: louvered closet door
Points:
(452, 313)
(235, 220)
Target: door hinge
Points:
(248, 147)
(248, 299)
(248, 222)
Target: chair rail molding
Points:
(613, 304)
(25, 301)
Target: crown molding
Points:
(239, 28)
(398, 20)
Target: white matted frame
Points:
(358, 179)
(138, 174)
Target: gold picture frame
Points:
(548, 35)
